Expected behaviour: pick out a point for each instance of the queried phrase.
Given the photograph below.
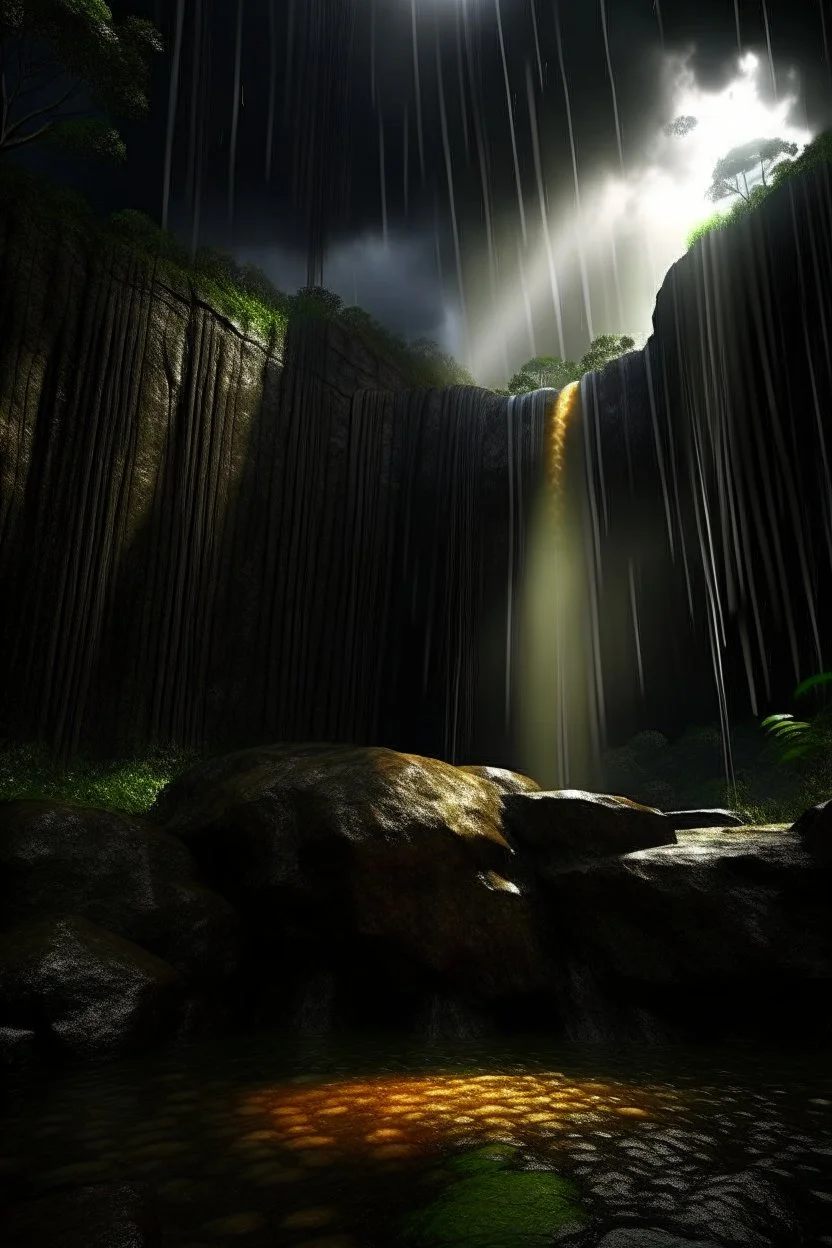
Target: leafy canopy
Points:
(67, 67)
(814, 154)
(798, 737)
(681, 126)
(744, 160)
(550, 371)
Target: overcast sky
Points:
(503, 185)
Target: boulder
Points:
(724, 932)
(814, 830)
(506, 781)
(84, 990)
(386, 859)
(121, 873)
(710, 818)
(558, 829)
(102, 1215)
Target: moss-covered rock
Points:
(488, 1204)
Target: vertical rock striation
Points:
(210, 539)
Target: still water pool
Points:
(317, 1142)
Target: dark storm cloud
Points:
(458, 50)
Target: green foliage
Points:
(688, 772)
(440, 369)
(544, 371)
(681, 126)
(550, 371)
(603, 350)
(744, 160)
(44, 44)
(317, 301)
(716, 221)
(88, 136)
(34, 198)
(802, 738)
(131, 785)
(648, 742)
(138, 230)
(242, 292)
(490, 1205)
(814, 154)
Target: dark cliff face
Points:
(208, 539)
(173, 494)
(723, 421)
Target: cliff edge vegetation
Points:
(815, 153)
(242, 292)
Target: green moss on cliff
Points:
(242, 292)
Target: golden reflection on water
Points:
(404, 1116)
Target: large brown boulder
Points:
(557, 829)
(121, 873)
(338, 844)
(84, 990)
(506, 781)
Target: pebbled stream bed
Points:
(318, 1142)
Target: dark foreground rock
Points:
(713, 817)
(103, 1215)
(727, 933)
(814, 830)
(83, 990)
(391, 867)
(374, 888)
(121, 873)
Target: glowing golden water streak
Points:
(563, 412)
(555, 720)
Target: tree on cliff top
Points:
(66, 68)
(744, 160)
(550, 371)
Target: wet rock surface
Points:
(366, 852)
(120, 872)
(84, 991)
(726, 929)
(357, 885)
(572, 825)
(713, 817)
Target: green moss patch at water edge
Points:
(488, 1205)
